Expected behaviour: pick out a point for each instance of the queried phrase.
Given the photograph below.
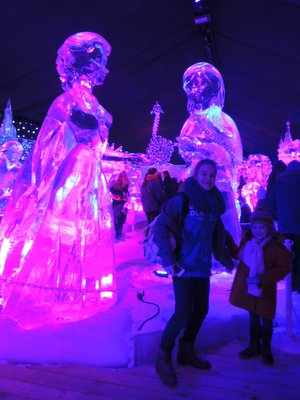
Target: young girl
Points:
(264, 261)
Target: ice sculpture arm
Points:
(74, 117)
(213, 136)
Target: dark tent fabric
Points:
(254, 44)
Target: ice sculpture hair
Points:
(204, 87)
(82, 55)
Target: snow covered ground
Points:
(128, 333)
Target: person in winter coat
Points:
(152, 195)
(189, 264)
(283, 203)
(278, 167)
(264, 260)
(170, 185)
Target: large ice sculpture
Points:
(57, 257)
(211, 133)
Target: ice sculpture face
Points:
(204, 87)
(83, 57)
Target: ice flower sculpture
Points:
(210, 133)
(254, 171)
(56, 236)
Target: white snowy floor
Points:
(123, 336)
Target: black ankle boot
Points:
(267, 358)
(250, 352)
(164, 368)
(186, 356)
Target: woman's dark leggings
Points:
(191, 308)
(261, 331)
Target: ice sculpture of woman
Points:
(210, 133)
(57, 260)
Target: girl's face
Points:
(259, 231)
(206, 176)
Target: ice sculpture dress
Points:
(210, 133)
(57, 257)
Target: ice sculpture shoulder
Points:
(209, 132)
(57, 257)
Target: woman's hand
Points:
(174, 270)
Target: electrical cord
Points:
(140, 297)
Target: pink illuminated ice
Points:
(56, 243)
(209, 132)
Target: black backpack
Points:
(150, 244)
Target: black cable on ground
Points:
(140, 297)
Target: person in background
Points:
(189, 264)
(170, 185)
(152, 195)
(263, 261)
(245, 212)
(119, 193)
(283, 203)
(278, 167)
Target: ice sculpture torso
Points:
(57, 257)
(210, 133)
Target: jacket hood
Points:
(291, 176)
(208, 201)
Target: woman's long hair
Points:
(199, 164)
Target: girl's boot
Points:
(187, 356)
(164, 368)
(267, 355)
(254, 348)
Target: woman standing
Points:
(189, 264)
(152, 195)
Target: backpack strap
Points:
(185, 207)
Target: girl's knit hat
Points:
(261, 215)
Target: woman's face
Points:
(259, 231)
(206, 176)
